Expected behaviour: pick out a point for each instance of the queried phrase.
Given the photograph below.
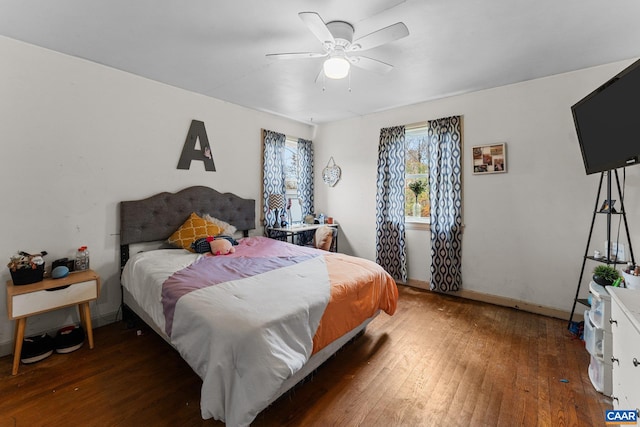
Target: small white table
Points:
(78, 288)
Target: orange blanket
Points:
(359, 288)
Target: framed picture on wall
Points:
(489, 158)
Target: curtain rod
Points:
(416, 125)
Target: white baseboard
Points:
(504, 302)
(6, 348)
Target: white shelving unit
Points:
(625, 327)
(598, 339)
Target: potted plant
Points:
(605, 275)
(418, 187)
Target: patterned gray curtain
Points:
(390, 229)
(445, 183)
(272, 171)
(305, 176)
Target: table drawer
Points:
(600, 306)
(600, 375)
(596, 340)
(44, 300)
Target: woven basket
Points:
(25, 276)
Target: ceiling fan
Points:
(341, 50)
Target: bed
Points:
(253, 323)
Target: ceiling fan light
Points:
(336, 68)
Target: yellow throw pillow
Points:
(192, 229)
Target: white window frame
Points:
(292, 144)
(413, 222)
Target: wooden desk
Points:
(77, 288)
(293, 231)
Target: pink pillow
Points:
(323, 238)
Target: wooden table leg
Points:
(18, 338)
(85, 318)
(81, 314)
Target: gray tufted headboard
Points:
(157, 217)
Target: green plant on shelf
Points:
(605, 275)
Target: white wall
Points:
(78, 137)
(526, 230)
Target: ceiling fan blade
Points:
(317, 26)
(370, 64)
(380, 37)
(296, 55)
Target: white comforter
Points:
(244, 337)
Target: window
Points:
(417, 207)
(291, 179)
(291, 168)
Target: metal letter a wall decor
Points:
(189, 150)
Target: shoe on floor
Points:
(68, 339)
(36, 348)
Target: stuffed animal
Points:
(221, 247)
(201, 246)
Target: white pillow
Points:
(227, 228)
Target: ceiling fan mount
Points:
(342, 33)
(340, 48)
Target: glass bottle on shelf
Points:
(82, 259)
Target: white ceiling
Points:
(217, 47)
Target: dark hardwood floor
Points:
(439, 361)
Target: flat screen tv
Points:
(608, 122)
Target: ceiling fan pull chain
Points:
(349, 81)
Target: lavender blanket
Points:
(245, 322)
(213, 270)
